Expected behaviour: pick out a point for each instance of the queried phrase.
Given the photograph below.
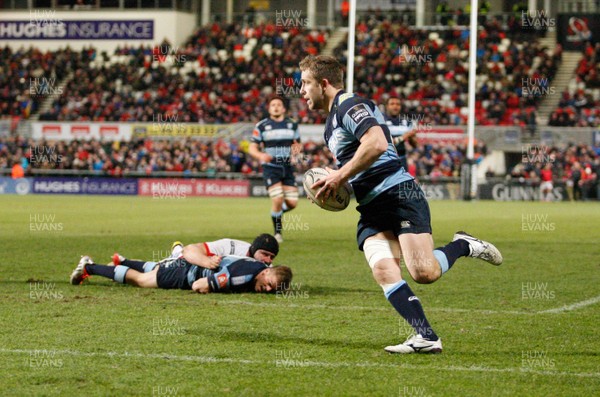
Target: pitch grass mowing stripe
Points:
(323, 364)
(574, 306)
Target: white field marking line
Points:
(573, 306)
(562, 309)
(379, 308)
(297, 364)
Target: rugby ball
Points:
(334, 203)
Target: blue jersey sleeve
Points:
(235, 274)
(357, 115)
(257, 133)
(219, 281)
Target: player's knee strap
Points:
(276, 192)
(376, 250)
(290, 195)
(149, 266)
(120, 273)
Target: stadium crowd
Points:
(28, 76)
(225, 72)
(576, 165)
(191, 156)
(429, 70)
(580, 103)
(232, 69)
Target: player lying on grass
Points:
(264, 248)
(394, 213)
(233, 274)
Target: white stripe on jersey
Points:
(278, 134)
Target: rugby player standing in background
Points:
(401, 129)
(274, 142)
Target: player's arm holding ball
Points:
(372, 145)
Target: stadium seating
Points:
(220, 75)
(30, 75)
(580, 103)
(429, 70)
(223, 74)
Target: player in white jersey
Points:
(264, 248)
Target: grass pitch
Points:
(526, 328)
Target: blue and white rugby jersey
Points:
(398, 126)
(350, 118)
(234, 274)
(277, 138)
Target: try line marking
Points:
(299, 364)
(562, 309)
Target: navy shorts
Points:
(275, 173)
(401, 209)
(173, 274)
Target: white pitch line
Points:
(378, 308)
(573, 306)
(298, 363)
